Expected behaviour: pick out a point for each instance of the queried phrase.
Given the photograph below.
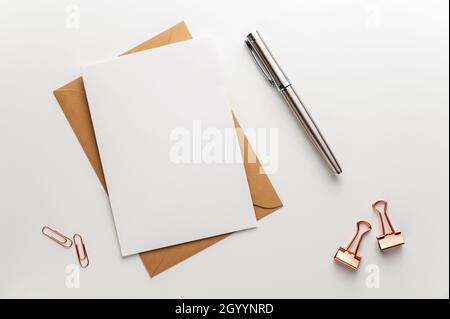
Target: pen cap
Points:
(266, 60)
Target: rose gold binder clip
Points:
(347, 257)
(82, 255)
(57, 237)
(392, 239)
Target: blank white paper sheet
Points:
(143, 106)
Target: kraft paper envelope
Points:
(73, 102)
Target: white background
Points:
(374, 75)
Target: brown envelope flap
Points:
(177, 33)
(72, 99)
(156, 261)
(262, 191)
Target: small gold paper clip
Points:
(57, 237)
(83, 258)
(392, 239)
(345, 256)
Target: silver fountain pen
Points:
(269, 66)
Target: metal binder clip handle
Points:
(387, 240)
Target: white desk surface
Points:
(375, 77)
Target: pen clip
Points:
(259, 63)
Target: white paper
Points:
(136, 102)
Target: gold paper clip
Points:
(345, 256)
(57, 237)
(83, 258)
(392, 239)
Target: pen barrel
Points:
(305, 119)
